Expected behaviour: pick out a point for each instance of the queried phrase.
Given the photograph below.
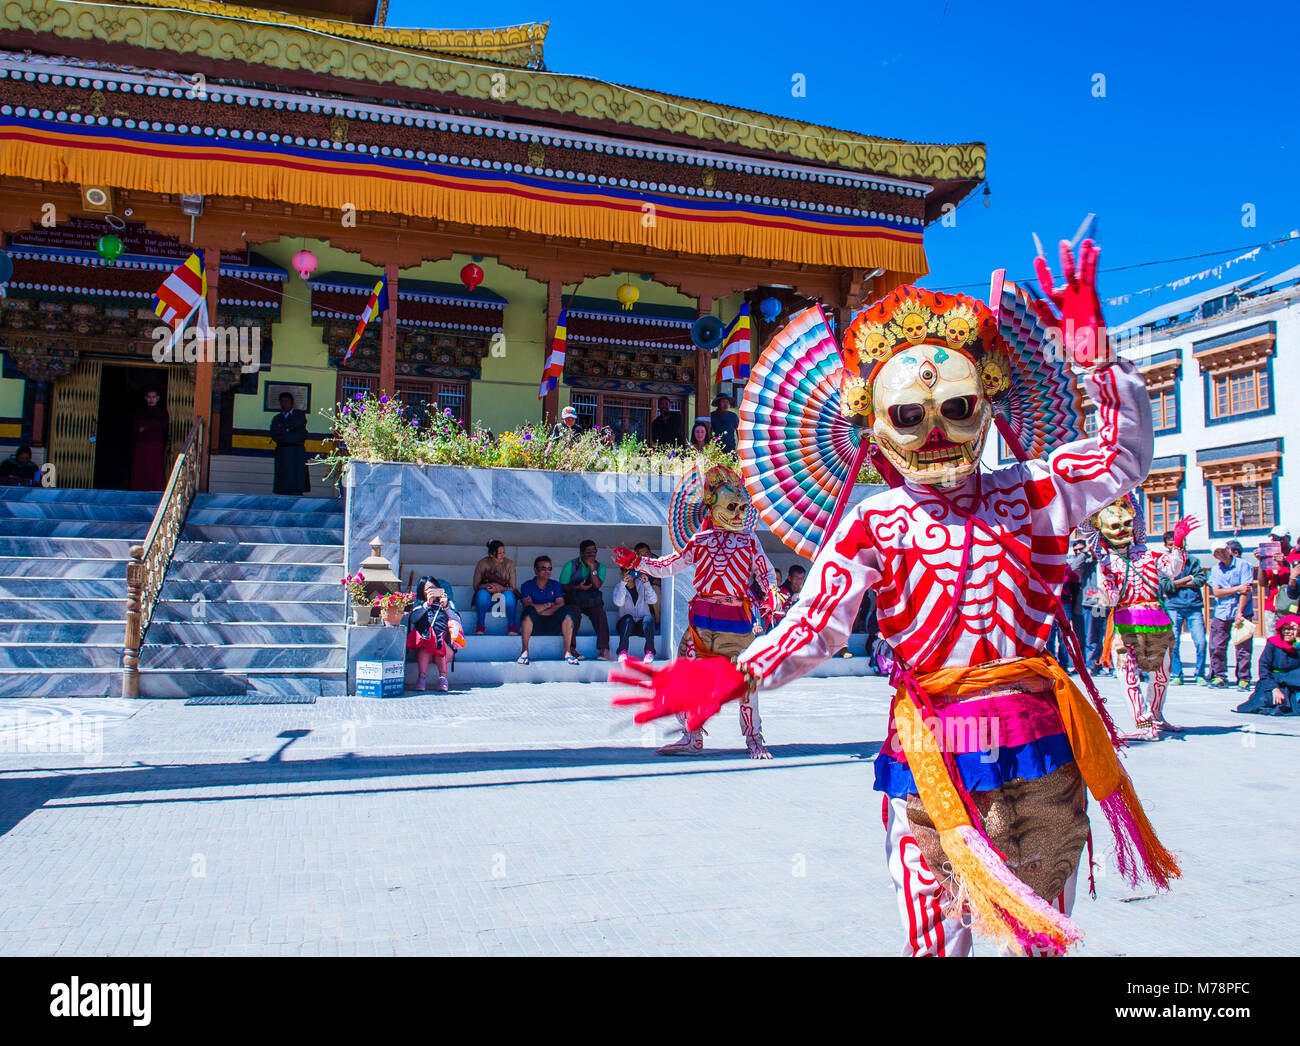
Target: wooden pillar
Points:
(554, 302)
(203, 370)
(703, 370)
(388, 340)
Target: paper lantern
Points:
(110, 248)
(627, 295)
(304, 263)
(770, 308)
(471, 276)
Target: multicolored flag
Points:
(376, 306)
(175, 301)
(733, 358)
(555, 361)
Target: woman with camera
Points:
(434, 626)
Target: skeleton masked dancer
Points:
(712, 526)
(990, 748)
(1128, 575)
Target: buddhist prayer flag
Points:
(555, 361)
(376, 306)
(733, 360)
(180, 294)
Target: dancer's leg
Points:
(920, 897)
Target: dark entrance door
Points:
(121, 391)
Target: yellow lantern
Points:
(627, 295)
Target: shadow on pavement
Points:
(22, 796)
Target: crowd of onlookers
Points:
(1230, 586)
(667, 429)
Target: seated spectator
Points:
(581, 579)
(494, 575)
(544, 611)
(701, 435)
(18, 470)
(1278, 690)
(633, 599)
(430, 624)
(567, 427)
(642, 549)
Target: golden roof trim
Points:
(375, 55)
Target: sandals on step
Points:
(569, 659)
(522, 659)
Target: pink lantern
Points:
(471, 276)
(305, 263)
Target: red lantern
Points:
(471, 276)
(305, 263)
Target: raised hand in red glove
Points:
(696, 686)
(1073, 308)
(1182, 528)
(625, 557)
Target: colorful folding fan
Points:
(797, 450)
(1044, 408)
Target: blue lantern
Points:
(770, 308)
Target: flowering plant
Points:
(355, 584)
(394, 601)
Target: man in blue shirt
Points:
(542, 609)
(1231, 582)
(1182, 597)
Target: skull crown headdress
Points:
(922, 370)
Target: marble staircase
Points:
(63, 557)
(252, 603)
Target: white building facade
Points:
(1223, 373)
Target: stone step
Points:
(41, 567)
(243, 517)
(73, 496)
(133, 532)
(23, 656)
(270, 503)
(29, 547)
(208, 552)
(320, 573)
(295, 535)
(45, 633)
(85, 610)
(220, 590)
(249, 612)
(63, 588)
(185, 683)
(198, 632)
(78, 511)
(245, 658)
(61, 682)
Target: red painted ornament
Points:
(471, 276)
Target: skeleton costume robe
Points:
(721, 614)
(909, 544)
(1129, 581)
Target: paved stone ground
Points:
(536, 820)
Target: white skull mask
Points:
(931, 414)
(1115, 524)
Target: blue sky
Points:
(1201, 114)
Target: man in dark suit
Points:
(289, 430)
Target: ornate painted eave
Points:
(199, 38)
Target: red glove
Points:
(625, 557)
(1182, 528)
(698, 687)
(1075, 309)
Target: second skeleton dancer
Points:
(726, 554)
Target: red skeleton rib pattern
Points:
(909, 545)
(724, 561)
(1139, 581)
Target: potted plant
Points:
(355, 586)
(392, 605)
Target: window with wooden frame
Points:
(626, 413)
(418, 395)
(1237, 371)
(1164, 408)
(351, 383)
(1090, 422)
(1163, 511)
(1239, 392)
(1244, 507)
